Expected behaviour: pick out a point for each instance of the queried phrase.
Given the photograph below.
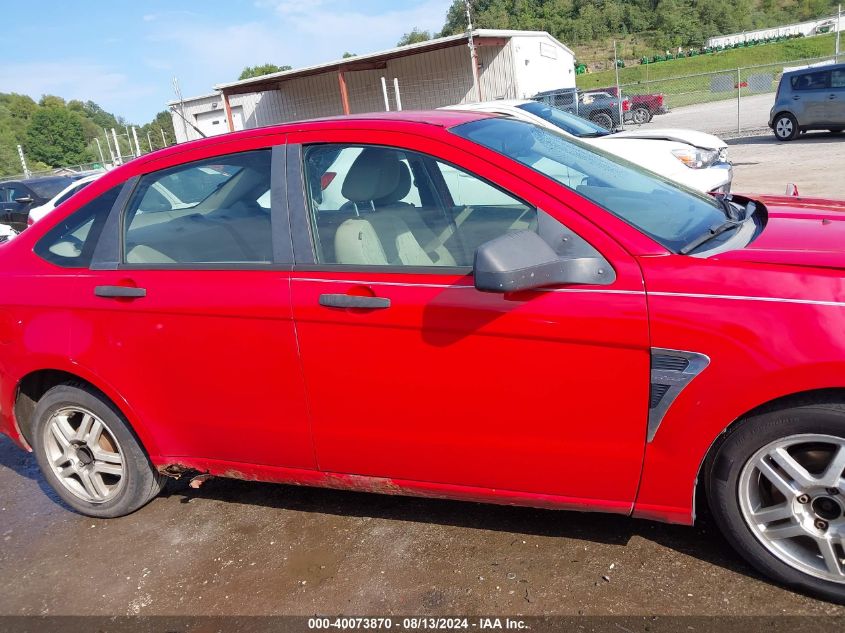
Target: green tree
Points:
(347, 55)
(413, 37)
(55, 136)
(262, 69)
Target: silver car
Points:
(809, 99)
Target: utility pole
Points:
(178, 92)
(118, 157)
(26, 173)
(149, 140)
(100, 149)
(473, 53)
(618, 89)
(135, 136)
(163, 137)
(838, 28)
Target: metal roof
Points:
(362, 62)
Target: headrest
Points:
(400, 191)
(373, 175)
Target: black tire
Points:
(641, 115)
(723, 485)
(837, 130)
(786, 127)
(603, 119)
(139, 483)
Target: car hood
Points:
(691, 137)
(798, 232)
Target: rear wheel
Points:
(777, 492)
(603, 119)
(786, 127)
(89, 455)
(641, 115)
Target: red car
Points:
(643, 107)
(446, 304)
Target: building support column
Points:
(228, 109)
(344, 95)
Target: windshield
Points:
(671, 214)
(49, 187)
(575, 125)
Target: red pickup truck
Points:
(643, 107)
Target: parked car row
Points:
(695, 159)
(606, 107)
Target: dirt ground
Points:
(815, 163)
(234, 547)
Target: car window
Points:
(393, 207)
(575, 125)
(211, 211)
(71, 242)
(17, 191)
(837, 78)
(811, 81)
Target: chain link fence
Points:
(734, 102)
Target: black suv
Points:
(602, 108)
(17, 197)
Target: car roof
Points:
(439, 118)
(814, 69)
(44, 180)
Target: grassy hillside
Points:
(792, 50)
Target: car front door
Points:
(186, 310)
(413, 374)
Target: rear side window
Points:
(837, 79)
(71, 242)
(811, 81)
(211, 211)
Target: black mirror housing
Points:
(523, 261)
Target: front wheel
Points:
(776, 490)
(89, 455)
(786, 127)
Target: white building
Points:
(427, 75)
(813, 27)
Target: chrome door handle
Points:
(120, 292)
(354, 301)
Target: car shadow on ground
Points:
(702, 541)
(820, 137)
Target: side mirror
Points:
(523, 260)
(24, 200)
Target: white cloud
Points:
(298, 33)
(76, 79)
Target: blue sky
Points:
(124, 54)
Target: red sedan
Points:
(445, 304)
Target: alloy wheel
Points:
(792, 498)
(84, 455)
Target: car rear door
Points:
(810, 96)
(836, 99)
(413, 374)
(186, 312)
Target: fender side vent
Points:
(669, 363)
(657, 393)
(671, 371)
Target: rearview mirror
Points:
(523, 260)
(23, 200)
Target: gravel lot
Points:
(234, 547)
